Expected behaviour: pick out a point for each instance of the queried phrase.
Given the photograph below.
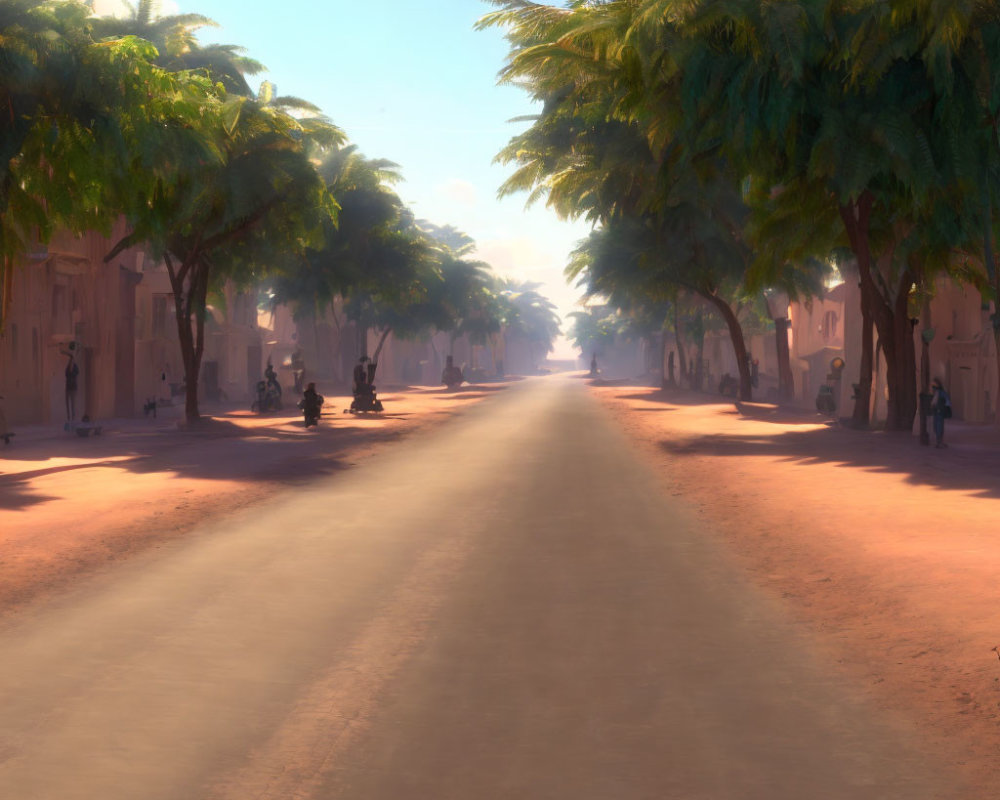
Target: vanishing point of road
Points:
(508, 606)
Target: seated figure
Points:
(363, 377)
(452, 376)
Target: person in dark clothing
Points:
(451, 376)
(941, 409)
(72, 374)
(272, 378)
(360, 375)
(311, 404)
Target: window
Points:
(828, 328)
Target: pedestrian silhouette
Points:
(72, 374)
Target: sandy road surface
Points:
(507, 608)
(886, 550)
(71, 506)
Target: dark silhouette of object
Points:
(85, 427)
(267, 394)
(149, 407)
(593, 366)
(826, 399)
(298, 369)
(362, 384)
(311, 405)
(729, 386)
(452, 376)
(941, 409)
(754, 373)
(826, 403)
(671, 380)
(365, 399)
(272, 378)
(72, 373)
(5, 433)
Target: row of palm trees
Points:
(723, 148)
(109, 117)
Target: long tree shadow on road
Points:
(974, 470)
(220, 452)
(971, 462)
(232, 447)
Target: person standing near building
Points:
(72, 374)
(941, 409)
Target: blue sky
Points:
(411, 81)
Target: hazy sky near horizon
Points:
(413, 82)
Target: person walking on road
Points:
(941, 409)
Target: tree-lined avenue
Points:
(507, 608)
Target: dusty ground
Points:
(887, 550)
(71, 506)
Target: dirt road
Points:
(510, 606)
(70, 506)
(885, 550)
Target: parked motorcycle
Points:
(365, 399)
(365, 402)
(267, 397)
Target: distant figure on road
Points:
(451, 376)
(941, 409)
(593, 366)
(311, 405)
(72, 374)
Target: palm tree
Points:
(833, 106)
(251, 198)
(78, 115)
(530, 316)
(176, 42)
(606, 146)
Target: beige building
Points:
(63, 294)
(962, 352)
(121, 321)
